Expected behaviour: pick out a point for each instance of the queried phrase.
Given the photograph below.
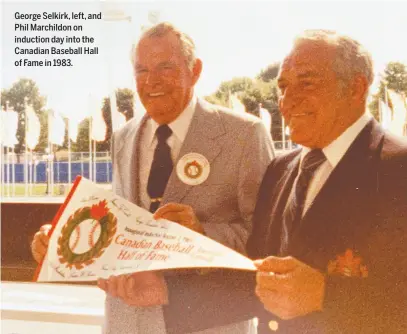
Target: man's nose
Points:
(288, 100)
(152, 78)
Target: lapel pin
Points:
(193, 169)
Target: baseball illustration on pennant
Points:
(85, 235)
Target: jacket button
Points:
(273, 325)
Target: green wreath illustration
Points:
(108, 226)
(197, 166)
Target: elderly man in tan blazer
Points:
(198, 164)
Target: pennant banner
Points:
(236, 104)
(266, 118)
(118, 119)
(73, 130)
(399, 113)
(56, 129)
(98, 127)
(98, 234)
(385, 115)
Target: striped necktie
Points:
(294, 210)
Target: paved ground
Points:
(28, 327)
(50, 308)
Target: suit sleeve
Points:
(256, 155)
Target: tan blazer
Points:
(239, 150)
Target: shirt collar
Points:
(181, 124)
(335, 151)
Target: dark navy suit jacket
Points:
(362, 207)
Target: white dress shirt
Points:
(148, 143)
(334, 152)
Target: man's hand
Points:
(39, 244)
(139, 289)
(289, 288)
(181, 214)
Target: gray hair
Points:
(187, 44)
(352, 58)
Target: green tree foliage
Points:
(374, 108)
(395, 75)
(263, 89)
(262, 92)
(395, 78)
(214, 100)
(269, 73)
(107, 117)
(82, 142)
(26, 90)
(125, 105)
(125, 102)
(226, 88)
(252, 93)
(43, 140)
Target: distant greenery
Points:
(26, 91)
(395, 78)
(251, 91)
(262, 89)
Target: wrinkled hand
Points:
(139, 289)
(40, 242)
(181, 214)
(289, 288)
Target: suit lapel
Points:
(128, 157)
(278, 205)
(352, 178)
(206, 126)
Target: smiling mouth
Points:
(301, 114)
(155, 94)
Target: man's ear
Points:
(360, 86)
(196, 70)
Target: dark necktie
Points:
(293, 213)
(161, 167)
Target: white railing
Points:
(38, 174)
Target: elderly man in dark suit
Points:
(334, 213)
(330, 226)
